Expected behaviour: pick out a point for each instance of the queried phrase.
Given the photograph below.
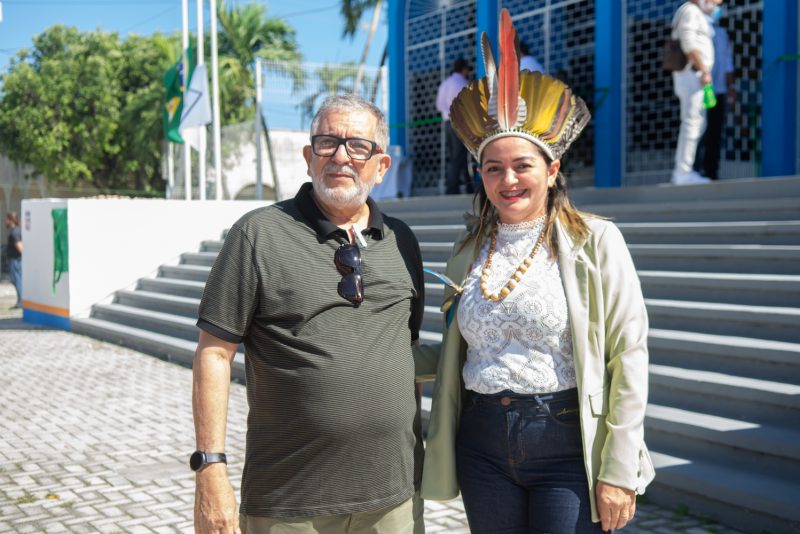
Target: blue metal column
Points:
(487, 18)
(609, 141)
(397, 72)
(779, 88)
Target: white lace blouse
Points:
(522, 343)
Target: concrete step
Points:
(747, 445)
(760, 259)
(199, 258)
(700, 210)
(730, 232)
(750, 500)
(718, 233)
(164, 323)
(164, 346)
(161, 302)
(196, 273)
(766, 359)
(211, 246)
(760, 322)
(173, 286)
(726, 395)
(742, 356)
(780, 290)
(734, 288)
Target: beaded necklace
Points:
(512, 282)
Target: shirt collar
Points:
(324, 228)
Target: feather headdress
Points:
(507, 102)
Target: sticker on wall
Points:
(60, 245)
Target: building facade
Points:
(609, 53)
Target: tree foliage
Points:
(84, 108)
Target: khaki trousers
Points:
(404, 518)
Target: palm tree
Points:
(247, 33)
(333, 80)
(352, 11)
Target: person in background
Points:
(691, 26)
(456, 170)
(722, 76)
(541, 384)
(326, 294)
(527, 61)
(14, 254)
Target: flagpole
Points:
(215, 102)
(187, 150)
(201, 157)
(259, 165)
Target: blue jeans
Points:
(519, 461)
(15, 273)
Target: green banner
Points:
(173, 97)
(60, 245)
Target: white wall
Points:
(37, 257)
(114, 242)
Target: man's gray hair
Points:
(351, 102)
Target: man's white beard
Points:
(352, 197)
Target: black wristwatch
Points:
(200, 459)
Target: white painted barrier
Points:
(112, 243)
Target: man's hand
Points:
(616, 506)
(705, 78)
(214, 502)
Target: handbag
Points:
(672, 56)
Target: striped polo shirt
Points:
(333, 425)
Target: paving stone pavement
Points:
(95, 438)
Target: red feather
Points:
(508, 74)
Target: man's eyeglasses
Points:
(360, 149)
(348, 262)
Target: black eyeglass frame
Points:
(347, 259)
(374, 148)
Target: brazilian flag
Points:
(174, 83)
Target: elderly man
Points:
(692, 27)
(326, 293)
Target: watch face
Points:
(196, 460)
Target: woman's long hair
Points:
(558, 207)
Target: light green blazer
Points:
(609, 342)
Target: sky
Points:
(318, 25)
(317, 22)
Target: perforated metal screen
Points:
(560, 35)
(436, 37)
(652, 109)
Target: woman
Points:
(541, 382)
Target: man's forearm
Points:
(211, 385)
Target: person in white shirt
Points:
(457, 162)
(527, 61)
(722, 75)
(692, 27)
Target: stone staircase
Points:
(720, 269)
